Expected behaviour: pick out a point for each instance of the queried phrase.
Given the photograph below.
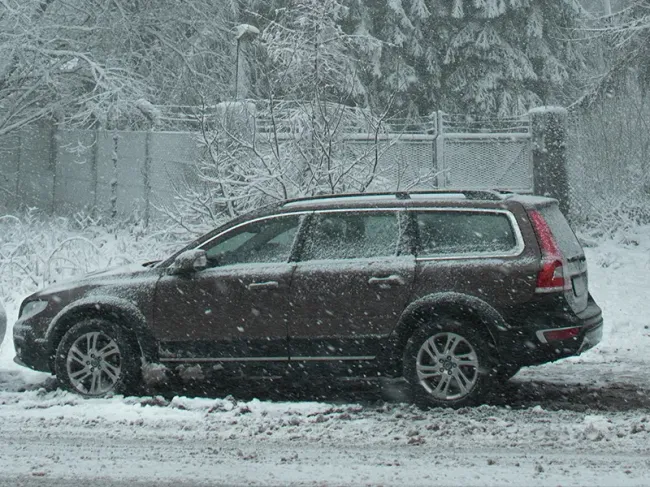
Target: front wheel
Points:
(448, 364)
(94, 358)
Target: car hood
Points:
(116, 276)
(123, 270)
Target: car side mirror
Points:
(190, 261)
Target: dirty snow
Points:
(581, 421)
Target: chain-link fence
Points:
(488, 162)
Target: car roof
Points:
(452, 197)
(457, 198)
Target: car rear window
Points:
(445, 233)
(566, 239)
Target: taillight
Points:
(551, 276)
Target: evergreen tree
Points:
(495, 57)
(307, 54)
(624, 38)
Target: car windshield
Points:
(324, 242)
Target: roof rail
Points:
(471, 194)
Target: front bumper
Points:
(31, 351)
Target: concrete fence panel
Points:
(173, 158)
(131, 153)
(9, 170)
(133, 173)
(76, 171)
(36, 167)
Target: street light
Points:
(243, 33)
(607, 6)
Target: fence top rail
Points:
(292, 115)
(459, 123)
(487, 136)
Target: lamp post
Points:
(243, 33)
(607, 6)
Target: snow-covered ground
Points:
(581, 421)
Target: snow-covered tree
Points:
(47, 68)
(292, 140)
(625, 39)
(92, 62)
(472, 56)
(308, 54)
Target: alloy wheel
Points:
(447, 366)
(94, 364)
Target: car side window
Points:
(463, 232)
(264, 241)
(351, 235)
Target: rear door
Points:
(475, 252)
(350, 285)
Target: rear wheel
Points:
(94, 358)
(448, 364)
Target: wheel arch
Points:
(462, 307)
(118, 311)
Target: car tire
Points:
(95, 359)
(448, 364)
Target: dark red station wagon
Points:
(450, 290)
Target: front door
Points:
(350, 286)
(236, 309)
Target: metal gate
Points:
(454, 152)
(484, 154)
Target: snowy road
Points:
(58, 436)
(583, 421)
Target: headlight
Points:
(32, 308)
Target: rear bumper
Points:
(592, 337)
(527, 345)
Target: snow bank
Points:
(195, 441)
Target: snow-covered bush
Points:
(295, 140)
(36, 250)
(252, 156)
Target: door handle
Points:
(256, 286)
(390, 281)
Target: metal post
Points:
(147, 178)
(607, 7)
(19, 156)
(94, 173)
(441, 178)
(113, 184)
(237, 69)
(54, 154)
